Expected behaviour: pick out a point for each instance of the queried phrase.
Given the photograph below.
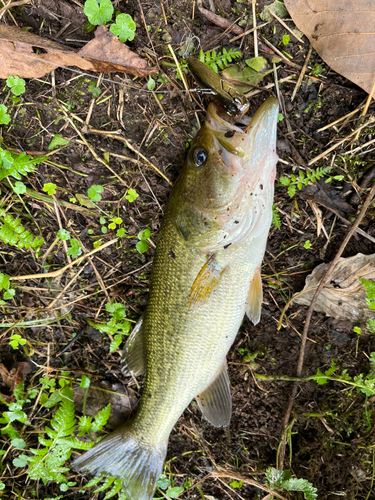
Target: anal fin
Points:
(133, 361)
(255, 298)
(215, 402)
(206, 281)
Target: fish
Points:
(206, 276)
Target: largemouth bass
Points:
(206, 276)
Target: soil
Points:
(331, 440)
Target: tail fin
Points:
(126, 457)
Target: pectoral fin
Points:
(206, 281)
(255, 298)
(215, 402)
(134, 359)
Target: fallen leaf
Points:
(342, 32)
(13, 377)
(257, 68)
(105, 53)
(344, 296)
(99, 395)
(324, 194)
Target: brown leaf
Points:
(343, 34)
(99, 395)
(344, 296)
(13, 377)
(105, 53)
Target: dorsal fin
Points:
(134, 359)
(255, 298)
(215, 402)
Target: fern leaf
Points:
(16, 165)
(14, 234)
(101, 419)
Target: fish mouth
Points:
(260, 132)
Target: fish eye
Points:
(199, 157)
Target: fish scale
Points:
(206, 276)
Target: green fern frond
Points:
(15, 165)
(14, 234)
(219, 60)
(276, 217)
(304, 178)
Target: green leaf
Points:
(144, 235)
(16, 85)
(307, 244)
(98, 12)
(101, 419)
(142, 246)
(94, 192)
(163, 482)
(124, 28)
(151, 83)
(18, 443)
(19, 187)
(63, 234)
(58, 140)
(277, 7)
(20, 461)
(236, 484)
(94, 90)
(75, 250)
(131, 195)
(286, 39)
(85, 382)
(121, 232)
(50, 188)
(2, 486)
(9, 294)
(257, 63)
(4, 117)
(4, 281)
(175, 492)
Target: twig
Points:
(253, 3)
(220, 21)
(323, 281)
(341, 119)
(370, 96)
(285, 25)
(302, 73)
(280, 54)
(247, 32)
(59, 272)
(332, 148)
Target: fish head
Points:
(225, 190)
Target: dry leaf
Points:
(13, 377)
(105, 53)
(344, 296)
(343, 34)
(99, 395)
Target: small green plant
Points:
(143, 244)
(219, 60)
(98, 11)
(94, 192)
(75, 249)
(302, 179)
(15, 165)
(166, 485)
(282, 480)
(307, 244)
(16, 85)
(124, 28)
(4, 117)
(370, 290)
(16, 341)
(57, 141)
(49, 188)
(94, 90)
(276, 217)
(117, 326)
(5, 285)
(14, 234)
(131, 195)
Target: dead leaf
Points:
(13, 377)
(324, 194)
(342, 32)
(31, 56)
(344, 296)
(100, 394)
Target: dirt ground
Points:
(331, 441)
